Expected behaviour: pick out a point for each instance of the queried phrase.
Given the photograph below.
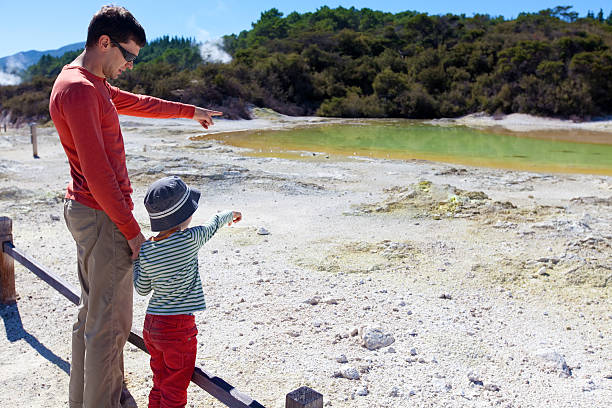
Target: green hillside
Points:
(365, 63)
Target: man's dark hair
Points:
(117, 23)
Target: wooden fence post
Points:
(7, 264)
(304, 397)
(34, 138)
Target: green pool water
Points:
(564, 151)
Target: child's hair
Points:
(169, 202)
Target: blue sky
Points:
(45, 25)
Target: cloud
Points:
(9, 79)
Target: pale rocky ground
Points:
(494, 285)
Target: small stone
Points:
(342, 359)
(350, 373)
(474, 378)
(354, 332)
(395, 392)
(445, 296)
(362, 391)
(375, 338)
(262, 231)
(555, 359)
(55, 217)
(391, 350)
(491, 387)
(413, 352)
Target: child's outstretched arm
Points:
(206, 231)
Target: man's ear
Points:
(104, 42)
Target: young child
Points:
(168, 265)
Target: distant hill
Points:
(365, 63)
(16, 64)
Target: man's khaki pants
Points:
(105, 312)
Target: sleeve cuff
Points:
(130, 230)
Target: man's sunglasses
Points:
(129, 57)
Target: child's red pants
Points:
(171, 341)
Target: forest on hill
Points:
(365, 63)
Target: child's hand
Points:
(236, 216)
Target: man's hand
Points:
(236, 216)
(204, 116)
(135, 244)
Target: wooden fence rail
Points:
(303, 397)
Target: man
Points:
(98, 207)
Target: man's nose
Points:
(130, 65)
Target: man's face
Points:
(116, 62)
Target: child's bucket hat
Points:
(169, 202)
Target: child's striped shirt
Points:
(169, 268)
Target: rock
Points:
(589, 386)
(313, 301)
(364, 369)
(262, 231)
(556, 360)
(375, 338)
(55, 217)
(395, 392)
(350, 373)
(445, 296)
(391, 350)
(491, 387)
(413, 352)
(362, 391)
(474, 378)
(342, 359)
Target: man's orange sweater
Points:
(84, 109)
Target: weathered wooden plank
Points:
(223, 391)
(53, 280)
